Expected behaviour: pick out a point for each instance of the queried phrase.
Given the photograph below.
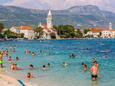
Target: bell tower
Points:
(49, 20)
(110, 26)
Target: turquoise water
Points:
(56, 52)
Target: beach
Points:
(56, 52)
(8, 81)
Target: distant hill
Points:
(88, 15)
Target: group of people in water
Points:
(94, 70)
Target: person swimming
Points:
(9, 59)
(48, 64)
(29, 75)
(44, 67)
(33, 54)
(26, 52)
(17, 58)
(72, 55)
(31, 66)
(84, 66)
(65, 64)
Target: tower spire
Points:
(49, 20)
(110, 26)
(49, 13)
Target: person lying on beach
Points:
(84, 66)
(94, 71)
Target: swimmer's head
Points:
(82, 63)
(44, 66)
(95, 62)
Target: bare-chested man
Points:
(94, 71)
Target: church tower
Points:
(49, 20)
(110, 26)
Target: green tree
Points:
(1, 27)
(65, 31)
(39, 32)
(79, 34)
(85, 31)
(10, 34)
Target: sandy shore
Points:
(9, 81)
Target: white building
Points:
(104, 33)
(15, 29)
(49, 20)
(48, 28)
(26, 30)
(108, 33)
(94, 32)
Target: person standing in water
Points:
(1, 59)
(29, 75)
(1, 63)
(94, 71)
(9, 59)
(84, 67)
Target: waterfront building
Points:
(102, 32)
(108, 33)
(95, 32)
(48, 31)
(26, 30)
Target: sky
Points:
(60, 4)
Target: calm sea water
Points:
(56, 52)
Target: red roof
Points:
(25, 28)
(45, 27)
(96, 30)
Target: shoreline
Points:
(6, 80)
(3, 40)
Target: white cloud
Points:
(63, 4)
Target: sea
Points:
(56, 52)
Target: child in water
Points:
(29, 75)
(84, 67)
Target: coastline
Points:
(2, 40)
(10, 81)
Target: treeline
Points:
(68, 31)
(64, 31)
(6, 33)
